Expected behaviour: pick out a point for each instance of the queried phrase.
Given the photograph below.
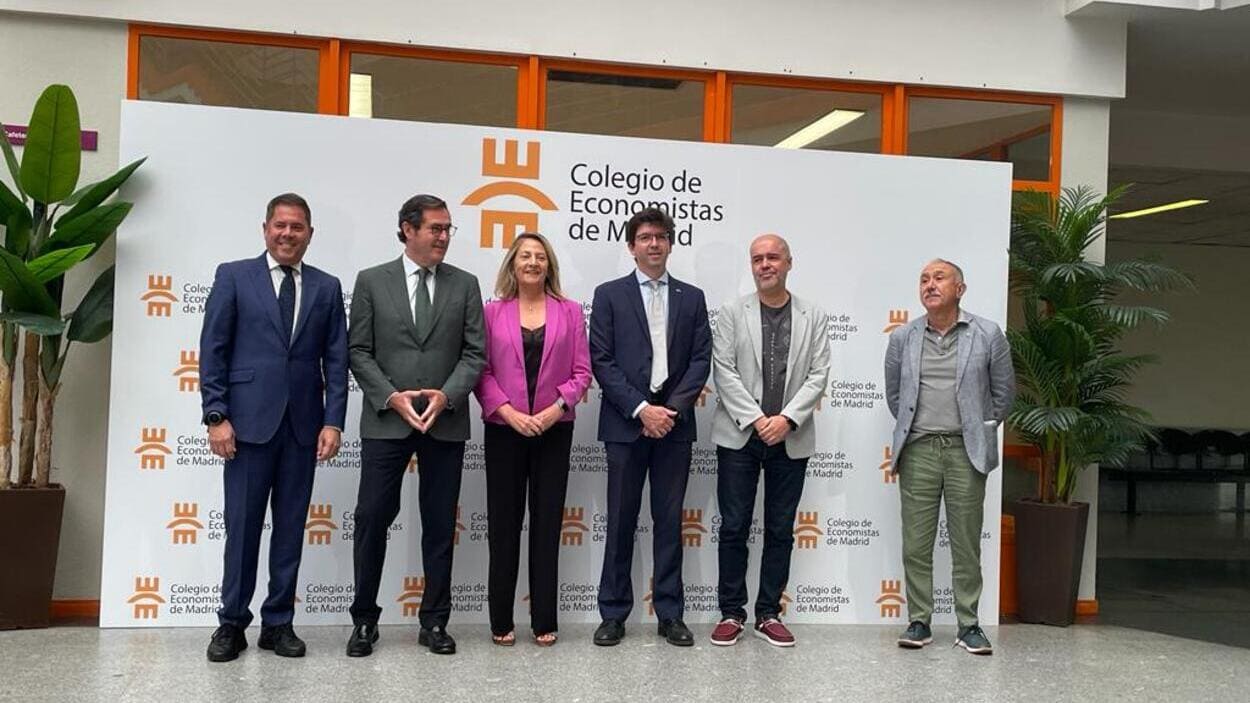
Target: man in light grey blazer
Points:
(949, 384)
(770, 361)
(417, 346)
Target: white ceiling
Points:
(1190, 63)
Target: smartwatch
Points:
(563, 405)
(214, 417)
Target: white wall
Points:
(1025, 45)
(1177, 140)
(90, 57)
(1085, 151)
(1201, 379)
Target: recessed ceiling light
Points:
(1159, 208)
(821, 127)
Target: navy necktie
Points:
(286, 302)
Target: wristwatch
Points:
(212, 418)
(563, 405)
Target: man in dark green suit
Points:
(417, 346)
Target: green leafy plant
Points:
(50, 226)
(1071, 374)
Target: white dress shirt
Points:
(276, 275)
(645, 282)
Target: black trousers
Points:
(517, 468)
(666, 466)
(383, 463)
(737, 479)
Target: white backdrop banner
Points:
(861, 227)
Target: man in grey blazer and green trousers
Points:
(949, 384)
(417, 346)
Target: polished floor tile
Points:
(831, 663)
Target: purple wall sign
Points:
(17, 137)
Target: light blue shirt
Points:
(645, 282)
(647, 295)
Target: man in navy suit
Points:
(273, 381)
(651, 351)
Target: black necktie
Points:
(421, 303)
(286, 302)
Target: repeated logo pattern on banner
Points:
(861, 227)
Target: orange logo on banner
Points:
(703, 394)
(414, 591)
(412, 464)
(649, 599)
(188, 371)
(785, 603)
(891, 599)
(510, 222)
(573, 527)
(184, 525)
(147, 597)
(807, 532)
(159, 296)
(887, 466)
(897, 319)
(319, 524)
(586, 393)
(455, 538)
(153, 450)
(692, 529)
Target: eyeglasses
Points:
(439, 230)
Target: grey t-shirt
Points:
(937, 411)
(775, 350)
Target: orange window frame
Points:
(334, 77)
(1051, 184)
(708, 78)
(328, 55)
(884, 90)
(525, 109)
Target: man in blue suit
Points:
(651, 351)
(273, 382)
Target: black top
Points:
(776, 351)
(532, 343)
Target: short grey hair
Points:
(780, 240)
(959, 273)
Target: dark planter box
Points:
(30, 534)
(1050, 544)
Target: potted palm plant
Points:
(50, 226)
(1072, 379)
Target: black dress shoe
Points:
(227, 642)
(437, 640)
(676, 632)
(360, 644)
(609, 633)
(282, 640)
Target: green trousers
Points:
(933, 468)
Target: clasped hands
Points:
(657, 420)
(772, 430)
(530, 425)
(402, 403)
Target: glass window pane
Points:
(404, 88)
(803, 118)
(981, 129)
(224, 73)
(632, 106)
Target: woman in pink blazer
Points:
(537, 368)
